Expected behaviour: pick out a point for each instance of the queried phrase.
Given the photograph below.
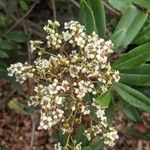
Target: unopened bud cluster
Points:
(70, 66)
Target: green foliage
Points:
(131, 35)
(123, 5)
(104, 99)
(87, 17)
(99, 15)
(110, 112)
(144, 36)
(139, 76)
(119, 4)
(132, 96)
(17, 106)
(80, 136)
(99, 145)
(23, 5)
(143, 3)
(118, 38)
(134, 58)
(135, 133)
(92, 15)
(130, 112)
(16, 36)
(10, 41)
(128, 26)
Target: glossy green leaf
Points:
(137, 134)
(139, 76)
(87, 16)
(16, 36)
(132, 20)
(117, 38)
(99, 15)
(132, 96)
(143, 3)
(127, 19)
(104, 99)
(130, 112)
(143, 37)
(4, 44)
(135, 27)
(134, 58)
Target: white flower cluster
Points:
(83, 87)
(20, 71)
(58, 146)
(63, 79)
(34, 45)
(110, 135)
(74, 33)
(53, 38)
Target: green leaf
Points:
(99, 145)
(132, 96)
(99, 15)
(135, 27)
(130, 112)
(10, 8)
(87, 148)
(117, 38)
(110, 111)
(4, 44)
(80, 136)
(16, 36)
(3, 54)
(132, 20)
(3, 65)
(104, 99)
(120, 5)
(62, 138)
(127, 19)
(30, 110)
(139, 76)
(143, 3)
(143, 37)
(135, 79)
(23, 5)
(134, 58)
(137, 134)
(87, 16)
(17, 106)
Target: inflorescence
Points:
(70, 65)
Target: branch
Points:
(111, 9)
(75, 3)
(32, 133)
(21, 19)
(54, 10)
